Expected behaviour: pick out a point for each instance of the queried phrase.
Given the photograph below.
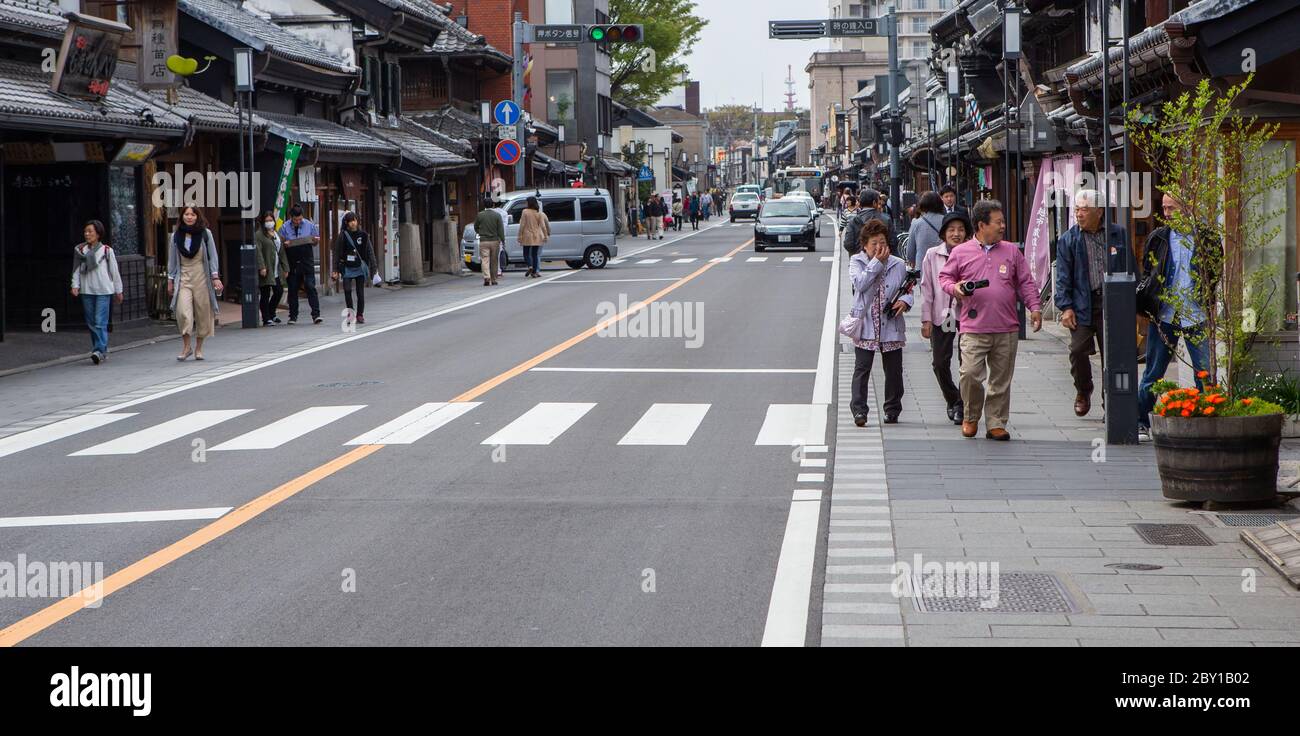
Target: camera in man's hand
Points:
(970, 287)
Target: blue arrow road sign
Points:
(506, 113)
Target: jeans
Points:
(303, 275)
(893, 362)
(95, 308)
(361, 293)
(270, 300)
(533, 257)
(1158, 356)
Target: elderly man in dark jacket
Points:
(1083, 256)
(869, 202)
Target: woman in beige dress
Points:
(193, 281)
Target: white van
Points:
(582, 227)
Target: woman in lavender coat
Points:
(878, 297)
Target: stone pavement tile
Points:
(1195, 568)
(967, 506)
(851, 642)
(1090, 583)
(1061, 632)
(1164, 623)
(859, 618)
(1227, 586)
(1181, 643)
(1164, 605)
(913, 506)
(1114, 605)
(1101, 507)
(841, 631)
(995, 642)
(1259, 605)
(856, 579)
(922, 524)
(1253, 635)
(956, 629)
(1040, 518)
(1261, 621)
(1069, 553)
(1012, 619)
(1229, 553)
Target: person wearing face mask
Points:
(353, 261)
(97, 282)
(272, 268)
(193, 281)
(939, 320)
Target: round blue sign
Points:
(508, 152)
(506, 113)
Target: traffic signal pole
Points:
(517, 93)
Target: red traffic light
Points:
(630, 34)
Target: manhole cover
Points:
(1255, 519)
(1012, 592)
(348, 384)
(1134, 566)
(1173, 535)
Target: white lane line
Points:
(288, 429)
(722, 259)
(793, 424)
(812, 462)
(605, 281)
(114, 518)
(793, 259)
(814, 449)
(648, 261)
(674, 370)
(825, 259)
(617, 261)
(666, 424)
(57, 431)
(415, 424)
(686, 260)
(162, 433)
(541, 424)
(756, 259)
(807, 494)
(826, 354)
(811, 478)
(787, 612)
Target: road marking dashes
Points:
(414, 425)
(686, 260)
(160, 434)
(793, 424)
(115, 518)
(724, 259)
(290, 428)
(793, 259)
(666, 424)
(540, 425)
(648, 261)
(756, 259)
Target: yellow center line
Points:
(43, 619)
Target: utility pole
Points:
(895, 173)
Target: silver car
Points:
(582, 228)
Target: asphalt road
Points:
(579, 489)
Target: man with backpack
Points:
(869, 203)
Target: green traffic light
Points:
(598, 34)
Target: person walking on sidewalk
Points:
(353, 261)
(272, 268)
(868, 203)
(880, 300)
(695, 211)
(534, 231)
(491, 232)
(97, 282)
(654, 213)
(193, 281)
(300, 237)
(677, 214)
(949, 196)
(986, 275)
(939, 323)
(1172, 308)
(925, 232)
(849, 212)
(1081, 266)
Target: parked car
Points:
(744, 204)
(582, 227)
(786, 222)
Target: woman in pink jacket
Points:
(939, 313)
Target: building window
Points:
(559, 11)
(855, 10)
(920, 24)
(605, 110)
(920, 49)
(561, 96)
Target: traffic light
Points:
(617, 33)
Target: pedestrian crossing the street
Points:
(659, 425)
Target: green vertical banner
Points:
(287, 171)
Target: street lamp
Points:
(954, 96)
(931, 115)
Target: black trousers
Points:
(270, 300)
(306, 277)
(941, 347)
(893, 360)
(1081, 348)
(361, 293)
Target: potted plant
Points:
(1212, 447)
(1216, 441)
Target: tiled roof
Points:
(26, 101)
(458, 146)
(38, 17)
(261, 34)
(457, 40)
(451, 121)
(203, 113)
(419, 149)
(326, 135)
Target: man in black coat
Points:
(869, 201)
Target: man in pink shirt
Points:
(987, 275)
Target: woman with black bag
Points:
(353, 260)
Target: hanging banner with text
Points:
(291, 151)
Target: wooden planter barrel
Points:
(1225, 459)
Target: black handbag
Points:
(1150, 285)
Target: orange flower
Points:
(1209, 410)
(1203, 374)
(1247, 402)
(1186, 413)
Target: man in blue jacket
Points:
(1083, 255)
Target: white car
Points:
(806, 197)
(744, 204)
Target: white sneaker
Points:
(1144, 435)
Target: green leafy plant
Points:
(1218, 165)
(671, 29)
(1277, 388)
(1213, 401)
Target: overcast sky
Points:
(735, 61)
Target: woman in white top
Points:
(97, 281)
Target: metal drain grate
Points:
(1173, 535)
(1016, 592)
(1255, 519)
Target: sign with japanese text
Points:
(88, 56)
(157, 42)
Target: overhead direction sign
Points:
(506, 113)
(509, 152)
(832, 27)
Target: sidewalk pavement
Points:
(1054, 500)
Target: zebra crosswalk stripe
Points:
(540, 425)
(414, 425)
(57, 431)
(163, 433)
(288, 429)
(666, 424)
